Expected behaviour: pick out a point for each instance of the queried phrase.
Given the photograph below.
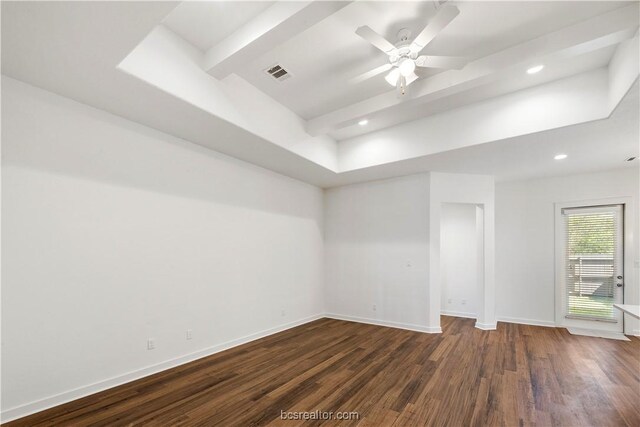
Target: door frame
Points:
(479, 292)
(627, 250)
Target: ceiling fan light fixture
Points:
(404, 55)
(535, 69)
(406, 66)
(392, 77)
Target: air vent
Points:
(278, 72)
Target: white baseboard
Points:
(527, 321)
(545, 323)
(407, 326)
(67, 396)
(458, 314)
(598, 334)
(486, 326)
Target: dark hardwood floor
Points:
(517, 375)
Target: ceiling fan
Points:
(405, 56)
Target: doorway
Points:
(461, 260)
(590, 242)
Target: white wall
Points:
(464, 188)
(113, 233)
(525, 263)
(377, 250)
(459, 259)
(382, 249)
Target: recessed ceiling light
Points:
(535, 69)
(363, 122)
(560, 156)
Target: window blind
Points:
(592, 257)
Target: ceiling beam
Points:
(587, 36)
(272, 27)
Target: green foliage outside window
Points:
(586, 238)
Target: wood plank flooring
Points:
(518, 375)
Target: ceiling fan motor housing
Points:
(403, 35)
(404, 51)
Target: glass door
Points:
(593, 267)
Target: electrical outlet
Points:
(189, 334)
(151, 343)
(464, 302)
(375, 308)
(283, 313)
(449, 300)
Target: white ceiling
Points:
(326, 56)
(205, 23)
(553, 71)
(593, 146)
(71, 48)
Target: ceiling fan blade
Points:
(372, 73)
(444, 16)
(376, 39)
(448, 62)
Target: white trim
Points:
(628, 251)
(398, 325)
(68, 396)
(486, 326)
(458, 314)
(545, 323)
(636, 332)
(598, 333)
